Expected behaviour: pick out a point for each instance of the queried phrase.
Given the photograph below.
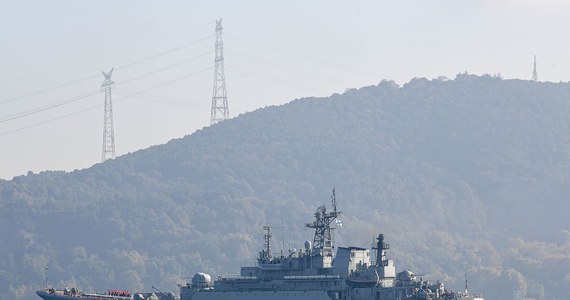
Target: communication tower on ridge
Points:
(220, 110)
(534, 72)
(108, 133)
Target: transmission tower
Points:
(108, 133)
(220, 110)
(534, 72)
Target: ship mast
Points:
(381, 248)
(323, 229)
(267, 241)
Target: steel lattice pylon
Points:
(220, 110)
(108, 133)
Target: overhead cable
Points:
(276, 79)
(362, 72)
(233, 52)
(95, 75)
(75, 99)
(99, 105)
(164, 68)
(44, 108)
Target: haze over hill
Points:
(465, 175)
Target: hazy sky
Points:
(52, 52)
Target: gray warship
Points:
(316, 273)
(75, 294)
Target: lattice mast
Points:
(266, 253)
(534, 72)
(220, 110)
(322, 224)
(108, 132)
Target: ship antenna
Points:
(267, 238)
(466, 283)
(46, 276)
(381, 248)
(333, 196)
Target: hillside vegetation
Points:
(469, 175)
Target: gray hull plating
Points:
(265, 295)
(47, 296)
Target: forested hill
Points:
(470, 175)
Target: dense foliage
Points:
(469, 175)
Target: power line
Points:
(278, 79)
(44, 108)
(166, 100)
(99, 105)
(164, 68)
(75, 99)
(165, 83)
(119, 68)
(124, 49)
(164, 53)
(362, 72)
(49, 89)
(289, 67)
(50, 120)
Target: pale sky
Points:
(52, 52)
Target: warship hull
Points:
(263, 295)
(47, 296)
(59, 295)
(75, 294)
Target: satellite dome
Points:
(308, 245)
(202, 279)
(406, 275)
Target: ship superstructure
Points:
(316, 273)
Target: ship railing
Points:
(476, 295)
(104, 296)
(236, 277)
(305, 277)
